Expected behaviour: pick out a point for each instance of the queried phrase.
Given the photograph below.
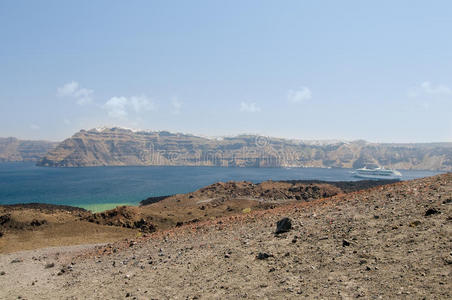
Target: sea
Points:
(101, 188)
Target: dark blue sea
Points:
(99, 188)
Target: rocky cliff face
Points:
(121, 147)
(12, 149)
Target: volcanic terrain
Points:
(390, 241)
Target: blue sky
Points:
(374, 70)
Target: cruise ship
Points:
(377, 173)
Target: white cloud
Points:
(83, 96)
(68, 89)
(176, 106)
(120, 107)
(300, 95)
(74, 90)
(141, 103)
(116, 107)
(249, 107)
(426, 88)
(34, 127)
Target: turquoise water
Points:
(100, 188)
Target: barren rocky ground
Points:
(392, 241)
(37, 225)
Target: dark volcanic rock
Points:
(151, 200)
(144, 225)
(38, 222)
(263, 255)
(283, 225)
(45, 207)
(432, 211)
(5, 218)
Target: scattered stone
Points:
(415, 223)
(283, 225)
(5, 219)
(2, 273)
(50, 265)
(345, 243)
(263, 255)
(37, 223)
(432, 211)
(16, 260)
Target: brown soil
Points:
(392, 241)
(221, 199)
(32, 226)
(37, 225)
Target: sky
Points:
(374, 70)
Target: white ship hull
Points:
(377, 174)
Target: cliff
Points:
(123, 147)
(12, 149)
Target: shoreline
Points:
(349, 186)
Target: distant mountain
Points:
(125, 147)
(12, 149)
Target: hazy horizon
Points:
(231, 136)
(354, 70)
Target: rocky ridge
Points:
(124, 147)
(15, 150)
(34, 225)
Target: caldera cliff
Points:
(124, 147)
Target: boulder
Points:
(283, 225)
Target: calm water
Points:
(105, 187)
